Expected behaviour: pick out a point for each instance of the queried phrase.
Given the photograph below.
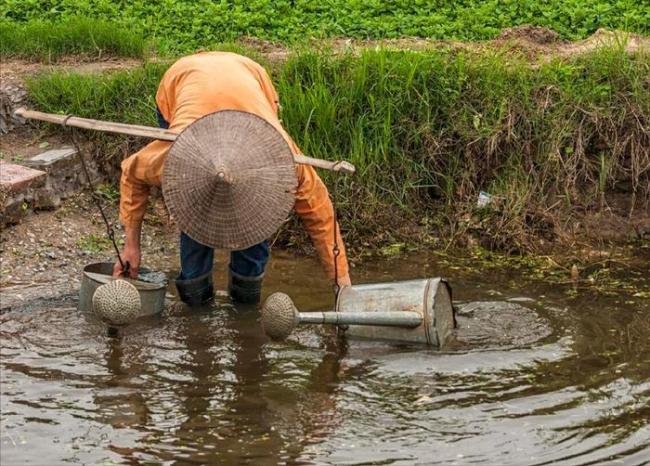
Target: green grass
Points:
(429, 130)
(90, 38)
(126, 96)
(109, 193)
(93, 244)
(180, 26)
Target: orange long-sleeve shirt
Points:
(208, 82)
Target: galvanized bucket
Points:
(431, 298)
(152, 295)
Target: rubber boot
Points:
(196, 291)
(245, 290)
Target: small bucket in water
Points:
(152, 287)
(430, 297)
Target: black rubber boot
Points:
(196, 291)
(245, 290)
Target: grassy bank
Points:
(88, 38)
(180, 26)
(429, 130)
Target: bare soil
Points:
(25, 142)
(45, 253)
(14, 70)
(537, 44)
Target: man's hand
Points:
(131, 256)
(131, 252)
(344, 281)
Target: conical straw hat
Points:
(229, 179)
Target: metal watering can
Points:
(152, 293)
(417, 311)
(429, 300)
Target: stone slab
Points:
(52, 157)
(12, 96)
(17, 177)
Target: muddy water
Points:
(572, 386)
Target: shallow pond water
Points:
(572, 386)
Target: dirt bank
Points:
(43, 255)
(534, 42)
(619, 229)
(537, 44)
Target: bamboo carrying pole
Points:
(155, 133)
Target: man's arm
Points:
(313, 203)
(316, 211)
(131, 254)
(140, 171)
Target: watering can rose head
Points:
(279, 316)
(117, 302)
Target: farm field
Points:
(181, 26)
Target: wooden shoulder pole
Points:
(98, 125)
(154, 133)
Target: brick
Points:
(17, 177)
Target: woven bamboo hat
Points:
(229, 179)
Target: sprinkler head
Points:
(117, 302)
(279, 316)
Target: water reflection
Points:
(206, 387)
(210, 390)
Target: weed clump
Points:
(428, 131)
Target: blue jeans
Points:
(197, 259)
